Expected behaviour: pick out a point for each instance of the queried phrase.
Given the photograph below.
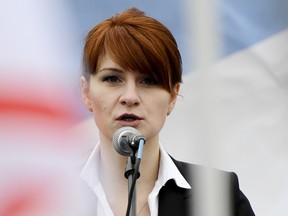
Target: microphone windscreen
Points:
(121, 140)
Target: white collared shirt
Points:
(167, 171)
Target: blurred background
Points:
(234, 109)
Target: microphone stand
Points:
(129, 172)
(132, 174)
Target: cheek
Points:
(99, 111)
(99, 104)
(162, 108)
(103, 104)
(101, 98)
(161, 105)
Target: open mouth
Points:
(129, 118)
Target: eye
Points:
(111, 79)
(149, 81)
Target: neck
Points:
(113, 164)
(112, 170)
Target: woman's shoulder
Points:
(190, 170)
(216, 183)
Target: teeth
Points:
(129, 119)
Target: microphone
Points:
(126, 139)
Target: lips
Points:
(129, 119)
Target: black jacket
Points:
(226, 199)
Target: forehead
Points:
(106, 61)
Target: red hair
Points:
(136, 42)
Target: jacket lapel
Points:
(174, 200)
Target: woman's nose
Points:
(130, 96)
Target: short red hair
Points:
(136, 42)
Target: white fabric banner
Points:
(234, 116)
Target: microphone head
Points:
(121, 140)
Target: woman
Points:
(132, 76)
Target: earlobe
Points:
(174, 95)
(177, 88)
(86, 93)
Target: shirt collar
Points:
(167, 169)
(90, 171)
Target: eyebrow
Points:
(118, 70)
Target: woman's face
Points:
(118, 98)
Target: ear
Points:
(173, 99)
(86, 93)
